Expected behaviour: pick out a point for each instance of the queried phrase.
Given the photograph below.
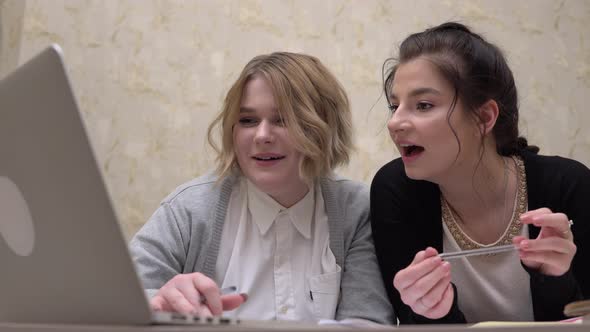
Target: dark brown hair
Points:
(478, 72)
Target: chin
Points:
(415, 174)
(267, 183)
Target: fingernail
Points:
(446, 265)
(524, 244)
(244, 296)
(436, 259)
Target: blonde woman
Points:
(273, 220)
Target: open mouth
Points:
(268, 158)
(411, 150)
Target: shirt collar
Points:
(265, 209)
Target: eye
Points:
(279, 122)
(247, 121)
(392, 107)
(424, 106)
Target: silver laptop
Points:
(63, 258)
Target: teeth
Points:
(267, 158)
(405, 145)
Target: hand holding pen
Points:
(425, 285)
(552, 252)
(195, 293)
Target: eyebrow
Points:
(418, 92)
(244, 109)
(247, 110)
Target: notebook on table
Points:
(578, 309)
(63, 255)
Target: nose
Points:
(398, 122)
(264, 133)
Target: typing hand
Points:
(196, 294)
(425, 285)
(551, 253)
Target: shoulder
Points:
(393, 171)
(205, 188)
(202, 185)
(558, 183)
(391, 179)
(394, 196)
(553, 162)
(343, 193)
(341, 185)
(547, 169)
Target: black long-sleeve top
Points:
(406, 218)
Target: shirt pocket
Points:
(325, 290)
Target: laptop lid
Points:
(63, 257)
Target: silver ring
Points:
(569, 229)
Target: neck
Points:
(291, 195)
(479, 187)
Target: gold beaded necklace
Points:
(514, 227)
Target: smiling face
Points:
(263, 147)
(420, 128)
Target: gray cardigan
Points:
(184, 235)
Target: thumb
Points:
(430, 252)
(232, 301)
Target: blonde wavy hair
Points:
(312, 104)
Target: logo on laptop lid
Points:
(16, 224)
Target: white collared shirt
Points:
(279, 256)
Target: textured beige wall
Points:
(150, 75)
(11, 23)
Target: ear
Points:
(488, 114)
